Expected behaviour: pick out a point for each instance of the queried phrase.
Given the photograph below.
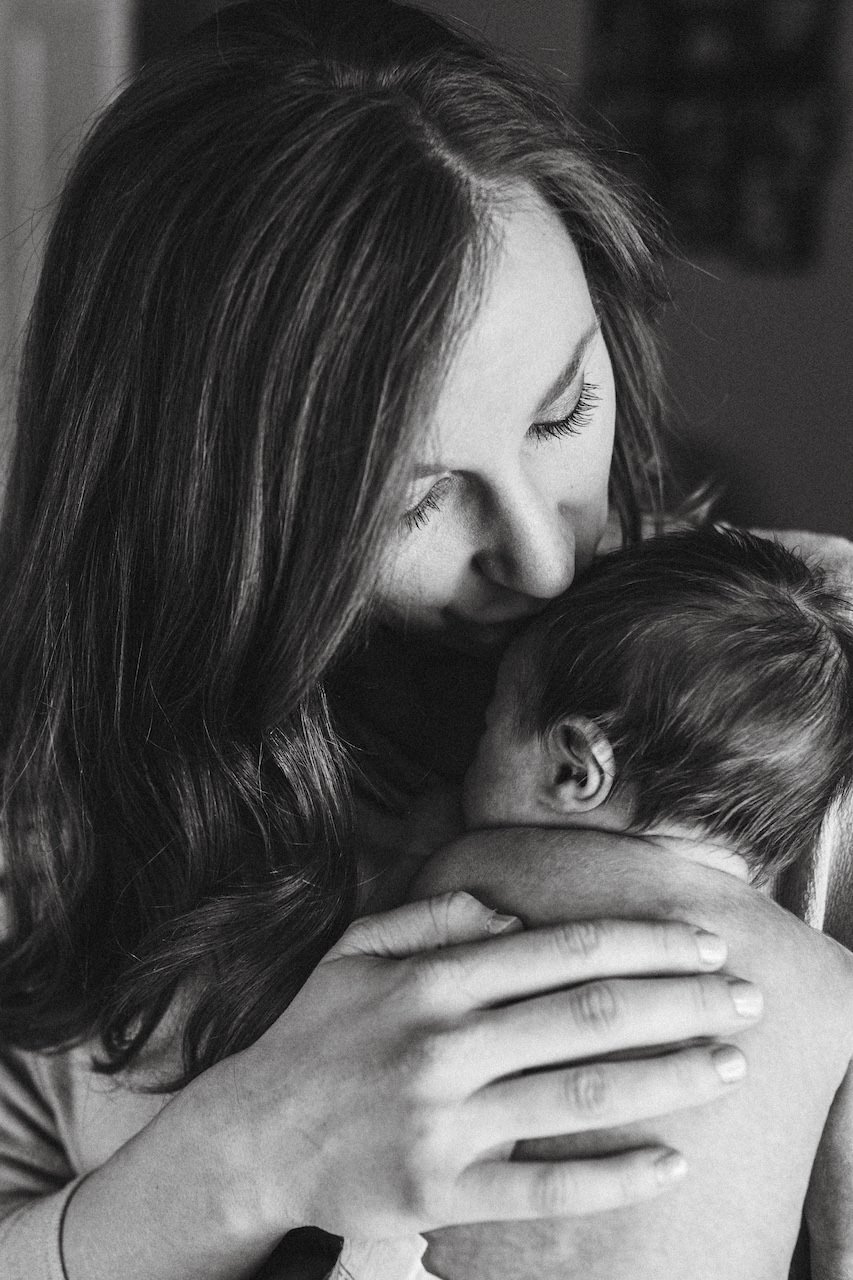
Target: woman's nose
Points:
(529, 546)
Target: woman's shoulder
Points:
(831, 551)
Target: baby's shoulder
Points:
(832, 959)
(833, 963)
(807, 977)
(793, 938)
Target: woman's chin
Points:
(473, 638)
(460, 634)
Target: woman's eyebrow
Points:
(567, 375)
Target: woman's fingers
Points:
(495, 1191)
(602, 1094)
(430, 1025)
(605, 1016)
(444, 921)
(536, 960)
(470, 956)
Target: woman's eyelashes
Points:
(419, 515)
(569, 425)
(575, 420)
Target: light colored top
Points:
(59, 1121)
(382, 1260)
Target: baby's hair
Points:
(720, 665)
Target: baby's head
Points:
(702, 680)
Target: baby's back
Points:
(737, 1214)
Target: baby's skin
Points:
(737, 1214)
(751, 1157)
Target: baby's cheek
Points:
(475, 788)
(487, 807)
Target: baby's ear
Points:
(583, 768)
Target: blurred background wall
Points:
(760, 330)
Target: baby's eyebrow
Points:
(567, 375)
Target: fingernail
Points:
(503, 924)
(712, 949)
(729, 1063)
(670, 1167)
(746, 998)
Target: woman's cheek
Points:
(413, 582)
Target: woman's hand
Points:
(386, 1099)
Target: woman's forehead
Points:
(534, 313)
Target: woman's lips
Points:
(504, 619)
(482, 632)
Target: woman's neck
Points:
(413, 710)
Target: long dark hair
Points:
(255, 274)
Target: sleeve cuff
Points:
(382, 1260)
(31, 1237)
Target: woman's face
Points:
(508, 498)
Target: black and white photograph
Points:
(426, 640)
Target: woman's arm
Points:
(367, 1109)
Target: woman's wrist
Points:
(180, 1198)
(216, 1108)
(254, 1209)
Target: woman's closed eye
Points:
(547, 429)
(574, 421)
(419, 516)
